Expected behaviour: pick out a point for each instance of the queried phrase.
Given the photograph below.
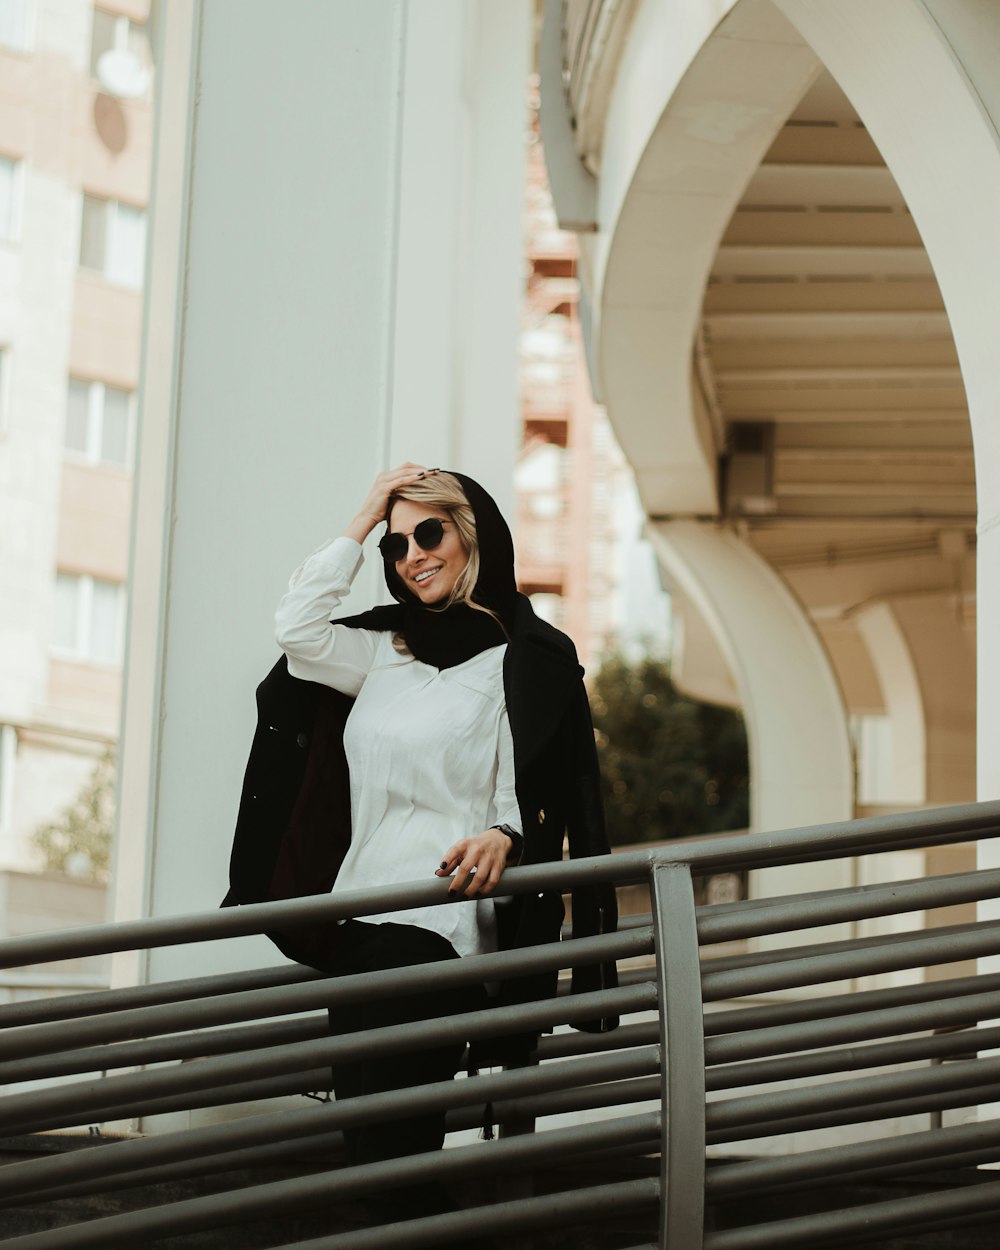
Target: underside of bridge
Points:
(775, 352)
(829, 361)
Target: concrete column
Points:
(800, 754)
(307, 313)
(943, 650)
(459, 274)
(890, 654)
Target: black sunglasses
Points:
(427, 535)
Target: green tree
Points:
(671, 766)
(79, 840)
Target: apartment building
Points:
(75, 144)
(578, 520)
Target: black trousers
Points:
(368, 948)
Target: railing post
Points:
(682, 1065)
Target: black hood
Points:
(496, 587)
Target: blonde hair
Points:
(442, 490)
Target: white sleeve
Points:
(334, 655)
(504, 797)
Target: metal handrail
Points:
(749, 1070)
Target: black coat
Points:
(293, 828)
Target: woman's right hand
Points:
(372, 511)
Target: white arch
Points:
(802, 769)
(695, 107)
(799, 742)
(932, 107)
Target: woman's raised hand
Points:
(372, 511)
(478, 863)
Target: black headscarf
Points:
(445, 637)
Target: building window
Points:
(14, 23)
(113, 240)
(98, 422)
(89, 618)
(9, 197)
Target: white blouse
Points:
(429, 750)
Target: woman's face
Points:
(430, 575)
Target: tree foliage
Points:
(671, 766)
(78, 842)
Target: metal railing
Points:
(734, 1039)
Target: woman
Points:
(448, 733)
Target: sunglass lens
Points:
(392, 547)
(429, 533)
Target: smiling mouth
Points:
(426, 574)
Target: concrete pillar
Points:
(800, 755)
(897, 675)
(943, 652)
(334, 285)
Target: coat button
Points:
(303, 741)
(541, 815)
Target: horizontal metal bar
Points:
(869, 835)
(807, 911)
(620, 1093)
(830, 1006)
(458, 1118)
(939, 826)
(725, 1180)
(307, 1192)
(84, 1102)
(921, 951)
(587, 1207)
(884, 1022)
(634, 922)
(775, 1104)
(560, 1045)
(875, 941)
(21, 1179)
(199, 1045)
(631, 976)
(853, 1058)
(578, 1098)
(322, 993)
(74, 1006)
(602, 1202)
(861, 1113)
(305, 1083)
(255, 918)
(862, 1223)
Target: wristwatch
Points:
(517, 841)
